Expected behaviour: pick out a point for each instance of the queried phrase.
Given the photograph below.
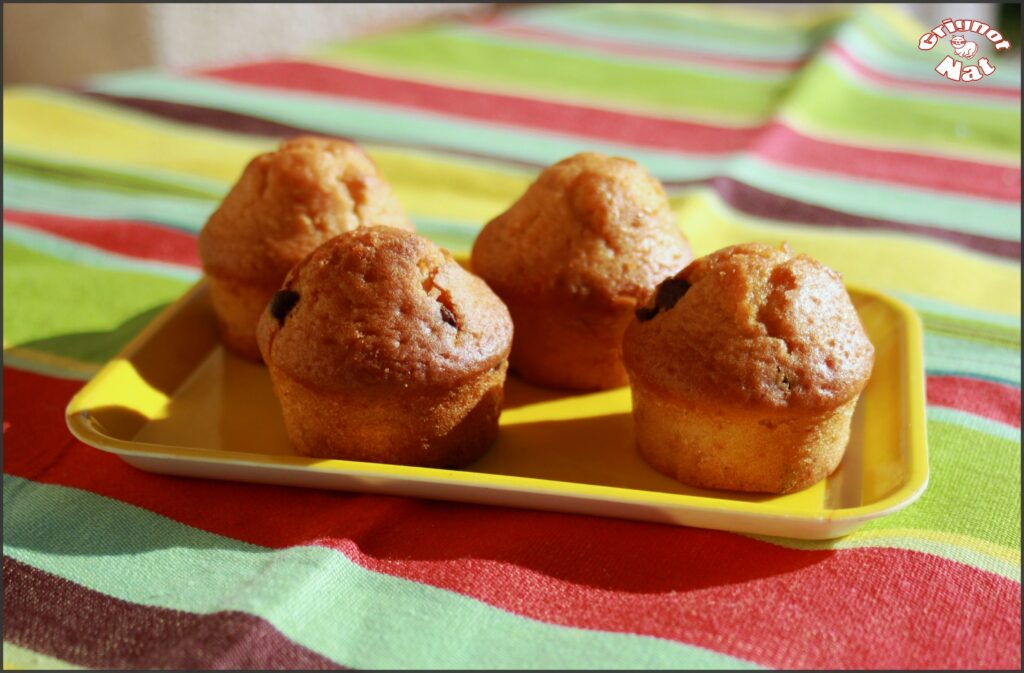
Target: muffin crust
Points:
(745, 369)
(285, 204)
(573, 257)
(289, 201)
(382, 348)
(376, 307)
(755, 326)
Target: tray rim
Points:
(915, 484)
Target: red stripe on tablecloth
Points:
(59, 618)
(489, 107)
(34, 414)
(995, 401)
(745, 598)
(502, 26)
(142, 240)
(783, 145)
(775, 141)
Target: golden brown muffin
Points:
(286, 204)
(382, 348)
(746, 367)
(573, 257)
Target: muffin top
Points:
(379, 306)
(591, 228)
(752, 325)
(288, 202)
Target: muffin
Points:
(745, 370)
(286, 204)
(382, 348)
(573, 258)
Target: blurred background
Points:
(62, 43)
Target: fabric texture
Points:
(826, 129)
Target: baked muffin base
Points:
(238, 307)
(565, 347)
(738, 449)
(447, 428)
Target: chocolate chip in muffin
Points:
(448, 316)
(645, 313)
(666, 296)
(282, 303)
(670, 292)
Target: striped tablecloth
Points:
(829, 130)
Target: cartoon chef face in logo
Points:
(963, 48)
(952, 68)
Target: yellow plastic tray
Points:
(175, 402)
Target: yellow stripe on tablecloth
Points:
(69, 130)
(862, 537)
(462, 191)
(887, 261)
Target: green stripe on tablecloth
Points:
(967, 357)
(462, 54)
(74, 309)
(973, 422)
(943, 319)
(315, 596)
(638, 25)
(34, 192)
(927, 305)
(961, 127)
(999, 336)
(456, 237)
(974, 481)
(75, 253)
(876, 199)
(694, 67)
(41, 362)
(128, 178)
(1004, 338)
(773, 29)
